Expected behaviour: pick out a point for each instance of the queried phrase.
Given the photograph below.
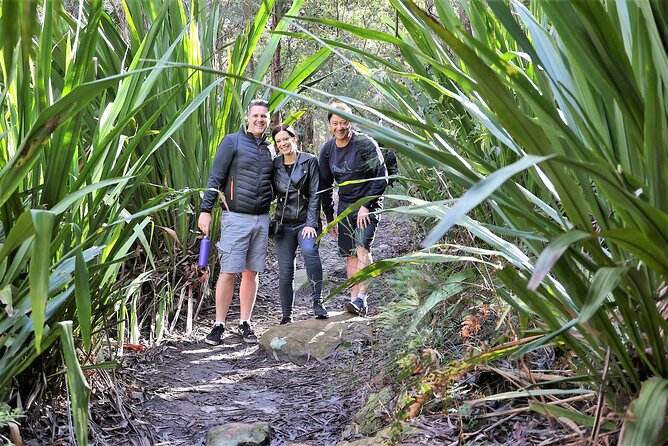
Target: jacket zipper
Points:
(232, 188)
(296, 216)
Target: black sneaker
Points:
(286, 320)
(247, 333)
(216, 335)
(319, 310)
(357, 306)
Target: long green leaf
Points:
(417, 258)
(646, 415)
(49, 120)
(453, 285)
(22, 230)
(552, 410)
(531, 394)
(83, 299)
(78, 387)
(604, 282)
(478, 193)
(40, 261)
(552, 253)
(301, 73)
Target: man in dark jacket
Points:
(241, 177)
(346, 159)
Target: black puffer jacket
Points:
(303, 201)
(242, 169)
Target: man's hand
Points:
(334, 231)
(363, 219)
(204, 222)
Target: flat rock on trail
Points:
(184, 387)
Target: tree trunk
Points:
(307, 138)
(276, 60)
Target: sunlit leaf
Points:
(40, 262)
(78, 387)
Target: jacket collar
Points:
(301, 157)
(298, 172)
(263, 140)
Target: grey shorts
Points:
(243, 242)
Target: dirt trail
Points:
(184, 387)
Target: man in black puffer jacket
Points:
(241, 172)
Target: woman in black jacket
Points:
(296, 183)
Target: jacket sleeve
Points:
(326, 184)
(219, 172)
(377, 169)
(313, 211)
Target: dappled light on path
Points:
(235, 382)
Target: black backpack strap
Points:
(328, 147)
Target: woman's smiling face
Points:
(285, 143)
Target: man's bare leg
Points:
(247, 294)
(364, 259)
(224, 293)
(351, 270)
(358, 296)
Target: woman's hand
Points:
(308, 232)
(363, 219)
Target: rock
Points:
(369, 441)
(315, 338)
(389, 435)
(300, 279)
(382, 438)
(369, 419)
(239, 434)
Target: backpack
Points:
(391, 164)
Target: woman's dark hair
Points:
(283, 128)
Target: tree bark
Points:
(276, 69)
(307, 139)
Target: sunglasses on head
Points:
(259, 102)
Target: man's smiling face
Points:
(258, 120)
(340, 128)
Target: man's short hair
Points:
(256, 102)
(340, 106)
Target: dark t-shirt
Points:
(360, 159)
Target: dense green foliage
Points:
(540, 128)
(106, 132)
(548, 126)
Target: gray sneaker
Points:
(216, 335)
(357, 306)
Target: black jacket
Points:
(242, 170)
(361, 159)
(303, 201)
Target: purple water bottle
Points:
(204, 245)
